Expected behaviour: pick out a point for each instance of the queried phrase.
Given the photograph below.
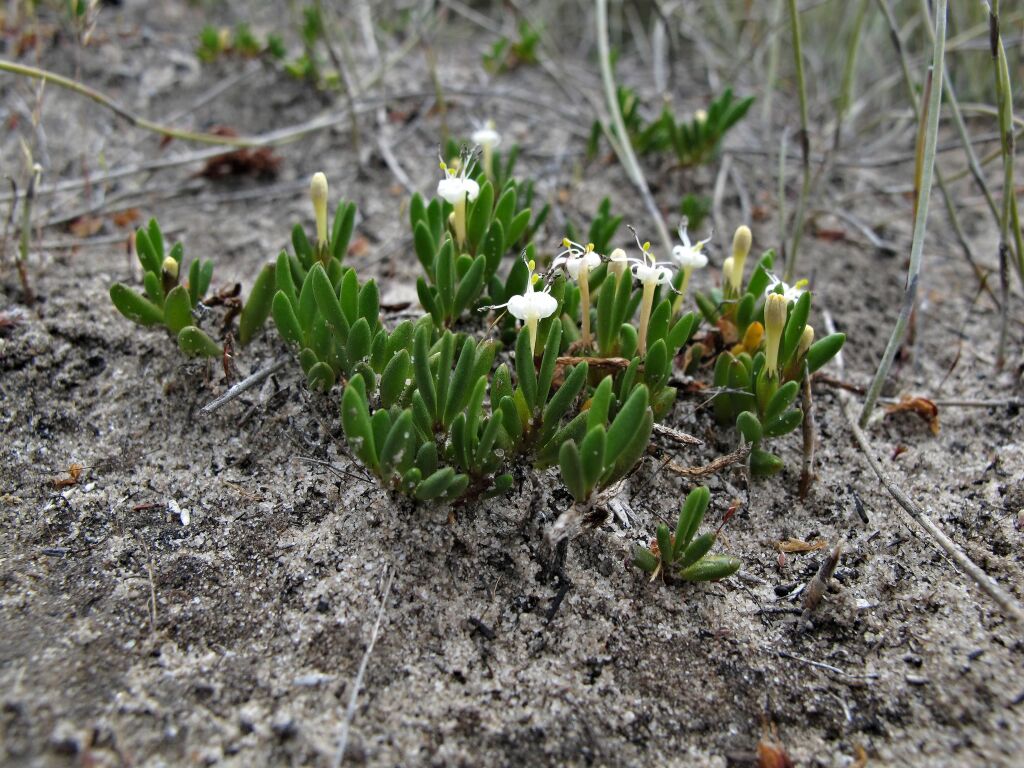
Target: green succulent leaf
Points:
(571, 467)
(822, 351)
(696, 549)
(749, 426)
(195, 343)
(135, 307)
(396, 455)
(764, 463)
(258, 305)
(592, 456)
(392, 380)
(548, 362)
(525, 372)
(435, 485)
(327, 300)
(177, 309)
(783, 424)
(600, 402)
(795, 327)
(358, 346)
(645, 560)
(691, 513)
(781, 400)
(562, 399)
(355, 420)
(711, 568)
(628, 436)
(320, 377)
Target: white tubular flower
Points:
(618, 262)
(456, 189)
(487, 138)
(741, 243)
(775, 310)
(790, 292)
(578, 260)
(688, 257)
(651, 275)
(318, 194)
(532, 306)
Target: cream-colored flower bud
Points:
(700, 116)
(170, 267)
(618, 262)
(806, 339)
(775, 310)
(741, 242)
(727, 272)
(318, 194)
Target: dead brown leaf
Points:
(126, 217)
(771, 755)
(74, 473)
(798, 545)
(86, 226)
(922, 406)
(358, 246)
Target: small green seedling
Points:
(506, 55)
(684, 555)
(694, 141)
(698, 140)
(166, 302)
(758, 378)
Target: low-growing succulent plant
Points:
(684, 555)
(460, 239)
(693, 141)
(507, 54)
(215, 43)
(436, 415)
(168, 302)
(768, 349)
(321, 309)
(605, 452)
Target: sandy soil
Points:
(130, 638)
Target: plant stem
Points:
(584, 281)
(805, 144)
(646, 302)
(26, 234)
(1004, 102)
(849, 70)
(139, 122)
(921, 216)
(625, 148)
(940, 178)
